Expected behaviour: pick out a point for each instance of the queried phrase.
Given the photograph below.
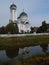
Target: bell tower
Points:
(13, 8)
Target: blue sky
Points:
(37, 10)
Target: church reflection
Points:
(15, 52)
(22, 53)
(12, 53)
(44, 47)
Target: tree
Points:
(31, 29)
(2, 30)
(11, 28)
(44, 26)
(39, 29)
(17, 30)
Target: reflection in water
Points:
(44, 47)
(21, 53)
(11, 53)
(24, 51)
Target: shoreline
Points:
(39, 59)
(23, 41)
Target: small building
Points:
(34, 29)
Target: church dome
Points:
(23, 14)
(13, 6)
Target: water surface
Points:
(22, 53)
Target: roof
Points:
(23, 14)
(18, 17)
(13, 6)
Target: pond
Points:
(22, 53)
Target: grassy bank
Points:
(23, 41)
(35, 60)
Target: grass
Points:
(35, 60)
(23, 41)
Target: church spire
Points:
(13, 2)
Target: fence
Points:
(20, 35)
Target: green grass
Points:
(23, 41)
(35, 60)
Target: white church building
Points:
(21, 21)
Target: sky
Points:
(37, 11)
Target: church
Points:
(21, 21)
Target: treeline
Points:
(9, 29)
(43, 28)
(12, 28)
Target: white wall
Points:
(23, 26)
(13, 15)
(20, 35)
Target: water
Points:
(22, 53)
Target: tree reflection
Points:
(12, 52)
(44, 47)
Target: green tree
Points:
(17, 30)
(31, 29)
(39, 29)
(11, 28)
(44, 26)
(2, 30)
